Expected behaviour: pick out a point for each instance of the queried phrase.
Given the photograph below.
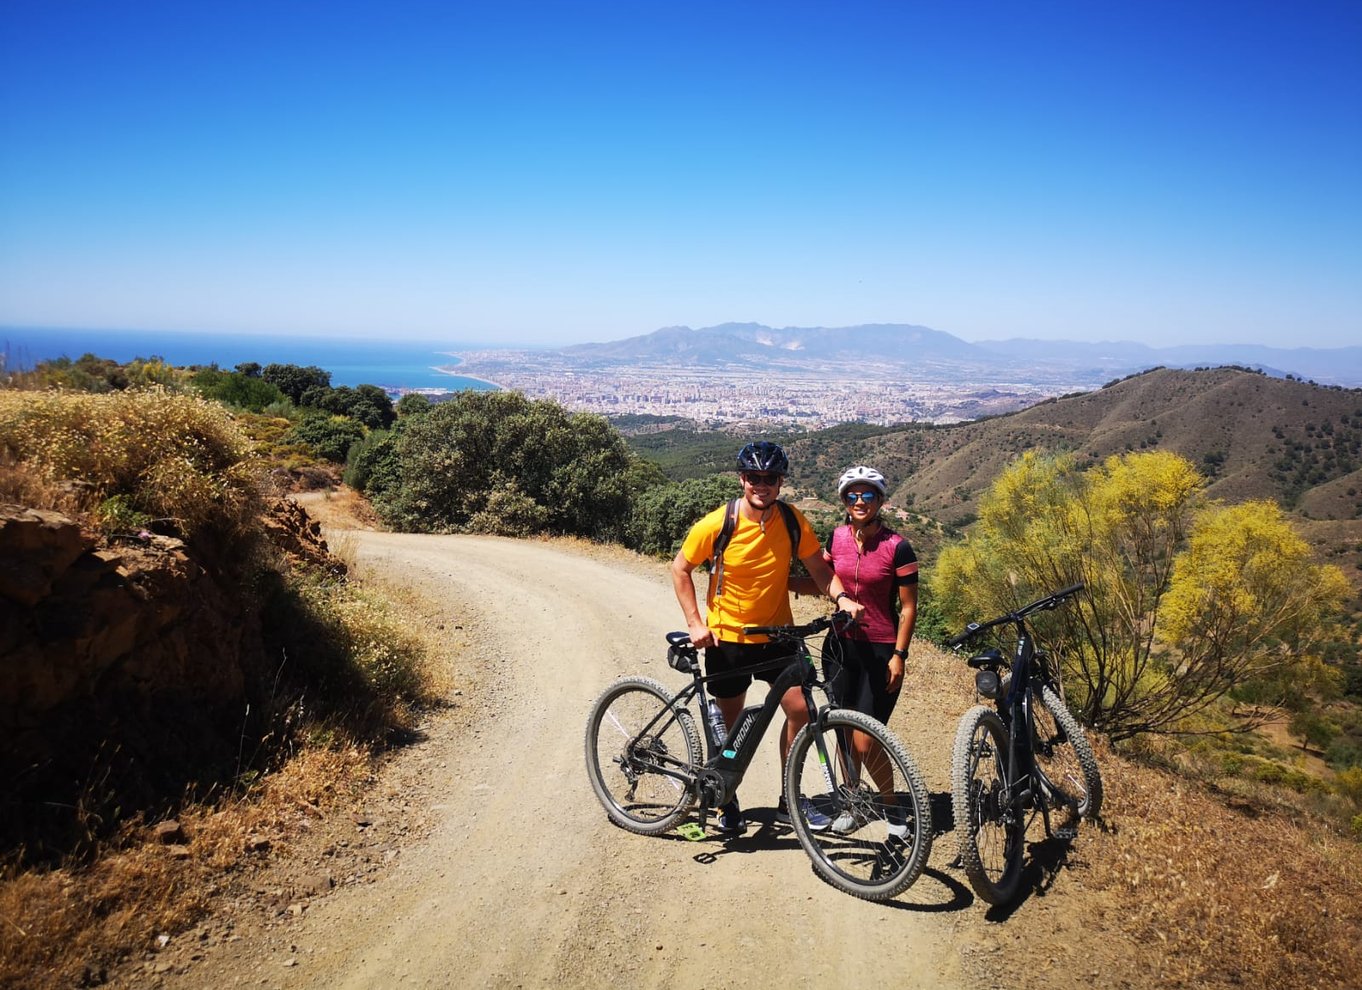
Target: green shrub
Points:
(329, 437)
(457, 459)
(664, 513)
(236, 389)
(1349, 784)
(116, 515)
(372, 465)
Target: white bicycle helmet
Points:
(863, 475)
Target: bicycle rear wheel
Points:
(991, 829)
(1065, 757)
(632, 737)
(881, 831)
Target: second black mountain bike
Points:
(1026, 754)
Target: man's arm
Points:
(830, 584)
(683, 583)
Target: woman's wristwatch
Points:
(840, 595)
(901, 654)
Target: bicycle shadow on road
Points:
(1045, 860)
(934, 892)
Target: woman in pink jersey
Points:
(878, 568)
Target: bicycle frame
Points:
(1015, 711)
(717, 780)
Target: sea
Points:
(397, 366)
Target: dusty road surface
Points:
(517, 879)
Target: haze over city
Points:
(545, 174)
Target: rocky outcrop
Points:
(78, 618)
(125, 664)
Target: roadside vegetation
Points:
(336, 675)
(1207, 620)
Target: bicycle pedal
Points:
(1067, 832)
(691, 831)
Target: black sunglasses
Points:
(853, 497)
(760, 478)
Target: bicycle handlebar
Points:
(1039, 605)
(838, 619)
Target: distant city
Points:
(716, 396)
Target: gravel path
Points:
(515, 878)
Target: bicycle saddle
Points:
(987, 660)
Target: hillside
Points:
(1253, 436)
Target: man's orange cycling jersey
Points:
(756, 571)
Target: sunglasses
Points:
(758, 478)
(853, 497)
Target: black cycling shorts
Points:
(724, 657)
(856, 672)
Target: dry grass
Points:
(1229, 892)
(67, 927)
(139, 455)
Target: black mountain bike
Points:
(1024, 755)
(644, 760)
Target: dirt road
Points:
(519, 880)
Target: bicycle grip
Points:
(964, 637)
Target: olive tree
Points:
(1186, 598)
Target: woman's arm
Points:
(904, 636)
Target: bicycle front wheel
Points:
(989, 825)
(871, 832)
(641, 753)
(1065, 757)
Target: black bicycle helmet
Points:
(763, 456)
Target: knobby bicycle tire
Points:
(881, 834)
(991, 831)
(625, 769)
(1065, 757)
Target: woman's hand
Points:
(894, 678)
(850, 606)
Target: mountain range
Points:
(922, 354)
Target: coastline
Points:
(497, 386)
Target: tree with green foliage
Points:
(664, 513)
(1186, 598)
(293, 380)
(330, 437)
(459, 461)
(1313, 729)
(235, 388)
(368, 404)
(412, 404)
(372, 465)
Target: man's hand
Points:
(701, 636)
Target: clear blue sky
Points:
(1169, 172)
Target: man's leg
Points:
(731, 708)
(796, 717)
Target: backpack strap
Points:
(726, 534)
(721, 544)
(791, 524)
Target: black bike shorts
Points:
(856, 672)
(725, 657)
